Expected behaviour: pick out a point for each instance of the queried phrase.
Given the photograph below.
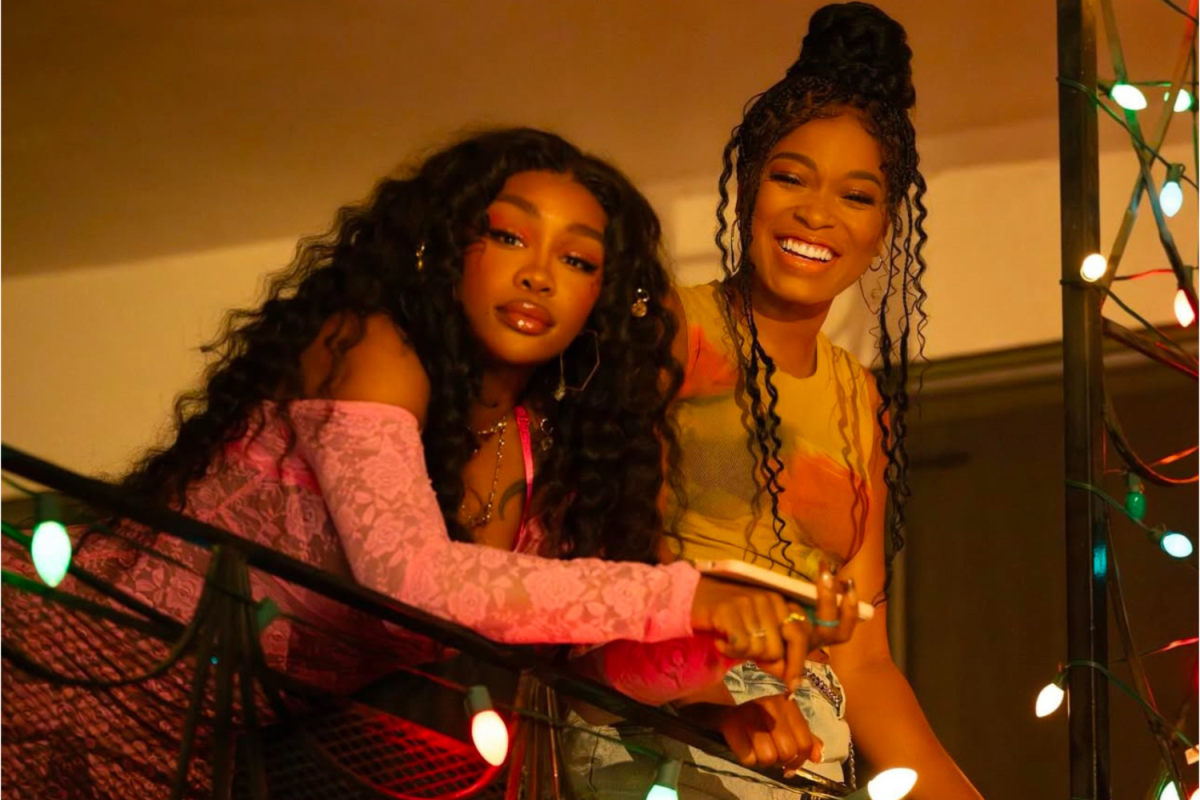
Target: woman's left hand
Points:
(769, 731)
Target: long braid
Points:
(840, 67)
(753, 357)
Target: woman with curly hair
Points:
(496, 313)
(790, 448)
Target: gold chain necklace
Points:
(485, 516)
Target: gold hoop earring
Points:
(421, 258)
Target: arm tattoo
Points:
(517, 489)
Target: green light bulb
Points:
(1135, 505)
(51, 550)
(1135, 499)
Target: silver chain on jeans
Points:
(824, 688)
(835, 700)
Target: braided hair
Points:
(854, 57)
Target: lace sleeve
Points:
(659, 672)
(369, 463)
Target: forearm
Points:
(661, 672)
(890, 730)
(622, 666)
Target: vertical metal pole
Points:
(1086, 523)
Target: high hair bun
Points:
(861, 49)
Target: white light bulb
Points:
(1048, 700)
(1194, 795)
(1093, 267)
(658, 792)
(1128, 97)
(1183, 100)
(1170, 198)
(892, 784)
(1183, 309)
(1168, 791)
(490, 735)
(1176, 545)
(51, 551)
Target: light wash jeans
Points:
(599, 768)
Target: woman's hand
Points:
(765, 732)
(760, 626)
(803, 629)
(750, 625)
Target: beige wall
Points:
(93, 357)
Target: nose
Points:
(536, 275)
(813, 211)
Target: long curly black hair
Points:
(854, 57)
(598, 486)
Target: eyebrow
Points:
(808, 162)
(533, 211)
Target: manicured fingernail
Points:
(827, 579)
(818, 750)
(850, 587)
(790, 773)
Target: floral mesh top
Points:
(353, 497)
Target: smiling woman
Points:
(790, 448)
(820, 216)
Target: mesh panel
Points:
(96, 708)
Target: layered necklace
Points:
(485, 514)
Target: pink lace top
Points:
(353, 498)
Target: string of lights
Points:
(1173, 543)
(1050, 698)
(1130, 97)
(1099, 274)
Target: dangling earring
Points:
(561, 390)
(547, 434)
(863, 292)
(639, 307)
(876, 264)
(421, 258)
(734, 264)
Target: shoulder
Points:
(701, 343)
(366, 359)
(698, 302)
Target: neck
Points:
(788, 331)
(499, 392)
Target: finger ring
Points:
(795, 616)
(825, 623)
(758, 634)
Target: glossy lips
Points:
(526, 317)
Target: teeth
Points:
(799, 248)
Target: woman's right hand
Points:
(759, 625)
